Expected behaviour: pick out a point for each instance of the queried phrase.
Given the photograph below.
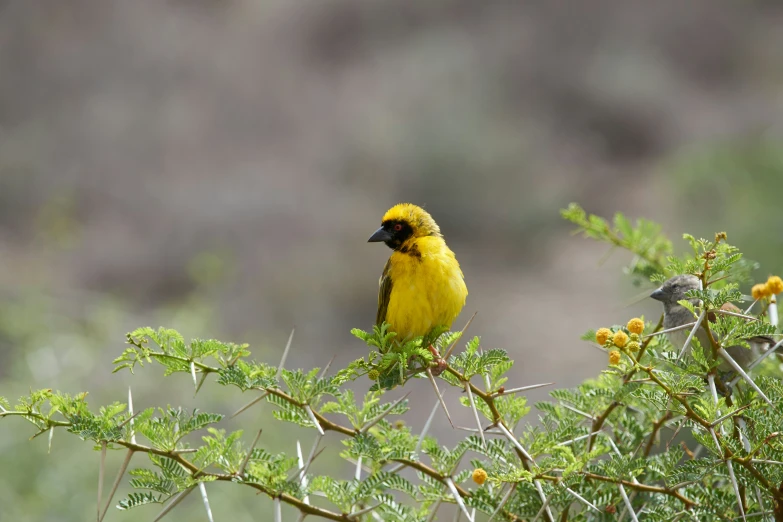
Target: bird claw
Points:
(440, 363)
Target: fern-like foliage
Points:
(654, 437)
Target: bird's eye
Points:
(397, 227)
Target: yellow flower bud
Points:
(760, 291)
(634, 346)
(614, 357)
(620, 339)
(775, 285)
(479, 476)
(373, 375)
(602, 335)
(636, 325)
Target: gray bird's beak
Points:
(379, 236)
(658, 294)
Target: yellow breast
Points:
(428, 288)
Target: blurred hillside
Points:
(217, 166)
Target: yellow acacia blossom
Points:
(636, 325)
(620, 339)
(602, 335)
(614, 357)
(479, 476)
(760, 291)
(774, 285)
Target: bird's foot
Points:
(440, 363)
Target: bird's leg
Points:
(723, 388)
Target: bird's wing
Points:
(384, 293)
(761, 339)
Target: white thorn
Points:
(249, 454)
(731, 474)
(440, 397)
(458, 497)
(193, 373)
(669, 330)
(744, 375)
(130, 411)
(693, 332)
(503, 502)
(426, 428)
(176, 500)
(249, 404)
(772, 311)
(434, 510)
(101, 469)
(628, 505)
(203, 490)
(116, 484)
(524, 388)
(365, 510)
(285, 354)
(582, 499)
(383, 414)
(311, 457)
(510, 436)
(545, 506)
(303, 482)
(309, 411)
(580, 412)
(580, 437)
(475, 412)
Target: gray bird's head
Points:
(674, 289)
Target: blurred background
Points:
(216, 166)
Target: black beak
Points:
(380, 235)
(658, 295)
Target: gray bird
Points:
(674, 314)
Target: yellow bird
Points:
(422, 286)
